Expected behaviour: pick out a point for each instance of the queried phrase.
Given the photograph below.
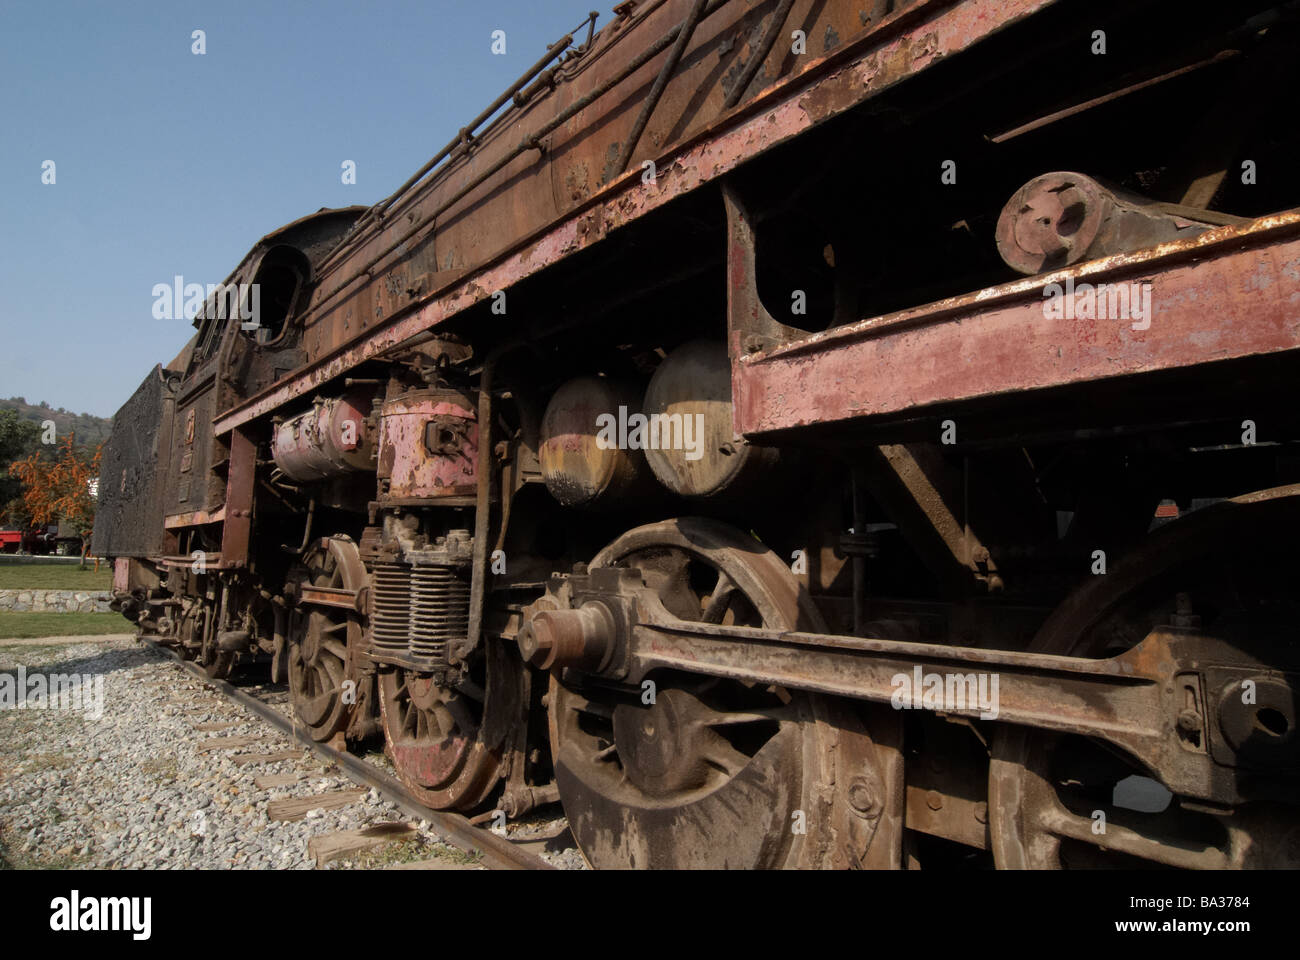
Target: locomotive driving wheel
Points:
(708, 773)
(1228, 572)
(319, 638)
(446, 741)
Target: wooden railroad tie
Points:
(272, 780)
(337, 846)
(296, 808)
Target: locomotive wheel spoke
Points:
(411, 721)
(725, 757)
(719, 600)
(318, 705)
(707, 717)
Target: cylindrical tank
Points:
(428, 445)
(691, 446)
(330, 439)
(585, 457)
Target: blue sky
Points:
(171, 163)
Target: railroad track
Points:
(494, 851)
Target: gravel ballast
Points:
(134, 787)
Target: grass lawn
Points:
(55, 576)
(26, 625)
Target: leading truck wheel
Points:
(319, 637)
(711, 774)
(1228, 572)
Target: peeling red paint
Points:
(999, 340)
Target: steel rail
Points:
(498, 853)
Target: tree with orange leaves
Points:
(58, 490)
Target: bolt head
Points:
(535, 640)
(862, 798)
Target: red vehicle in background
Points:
(42, 540)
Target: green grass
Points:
(411, 850)
(27, 625)
(55, 576)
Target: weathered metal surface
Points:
(428, 446)
(1010, 338)
(1135, 699)
(656, 785)
(240, 478)
(212, 561)
(324, 639)
(419, 606)
(824, 87)
(446, 747)
(1246, 540)
(1130, 700)
(692, 448)
(334, 437)
(1059, 219)
(920, 493)
(336, 597)
(579, 467)
(194, 519)
(133, 472)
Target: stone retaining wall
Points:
(55, 601)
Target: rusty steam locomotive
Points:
(847, 433)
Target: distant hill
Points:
(90, 430)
